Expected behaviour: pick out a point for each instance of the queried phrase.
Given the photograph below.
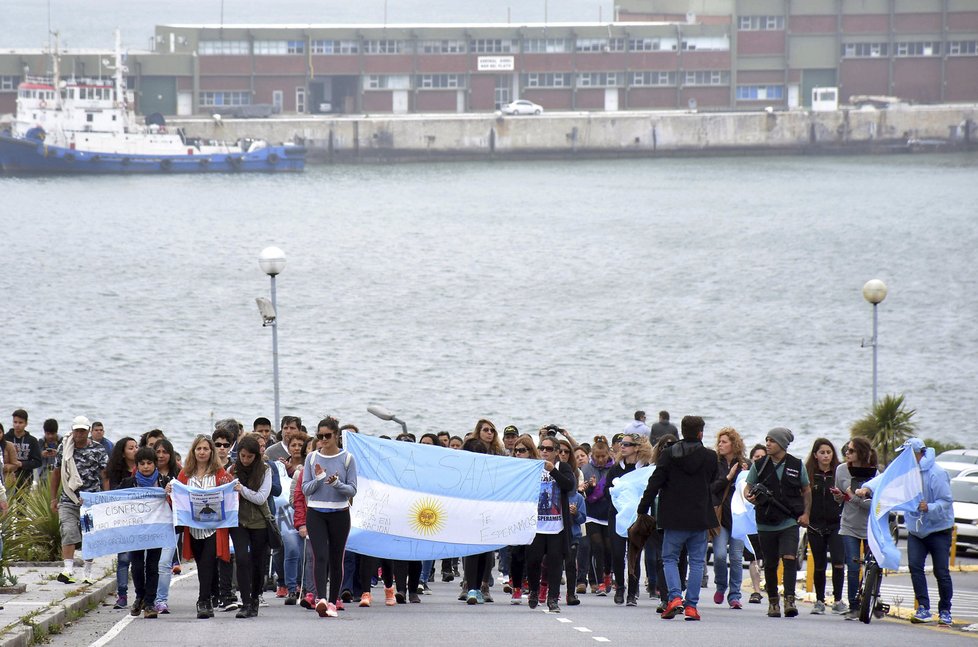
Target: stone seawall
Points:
(608, 134)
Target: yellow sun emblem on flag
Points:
(427, 516)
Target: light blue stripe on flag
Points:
(125, 520)
(743, 520)
(899, 487)
(626, 493)
(429, 502)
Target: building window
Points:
(335, 47)
(962, 47)
(271, 47)
(547, 45)
(592, 45)
(493, 46)
(598, 79)
(383, 46)
(761, 23)
(759, 92)
(225, 98)
(439, 81)
(644, 44)
(926, 48)
(865, 50)
(653, 79)
(223, 48)
(376, 82)
(442, 47)
(297, 47)
(547, 80)
(706, 77)
(8, 83)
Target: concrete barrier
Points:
(597, 134)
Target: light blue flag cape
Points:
(419, 502)
(626, 492)
(744, 522)
(206, 508)
(123, 520)
(899, 487)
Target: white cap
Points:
(81, 422)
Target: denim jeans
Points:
(727, 549)
(427, 566)
(853, 566)
(672, 544)
(122, 574)
(292, 549)
(938, 546)
(504, 561)
(166, 574)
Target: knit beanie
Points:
(782, 436)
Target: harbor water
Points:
(529, 293)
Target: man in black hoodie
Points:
(682, 478)
(28, 451)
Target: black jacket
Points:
(29, 455)
(682, 479)
(720, 485)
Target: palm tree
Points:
(887, 426)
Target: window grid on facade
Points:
(759, 92)
(865, 50)
(279, 47)
(644, 44)
(547, 45)
(8, 83)
(375, 82)
(335, 47)
(225, 98)
(917, 48)
(962, 47)
(761, 23)
(223, 48)
(439, 81)
(383, 46)
(492, 46)
(598, 79)
(442, 47)
(547, 80)
(652, 79)
(600, 45)
(706, 77)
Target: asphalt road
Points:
(441, 620)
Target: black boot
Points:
(243, 611)
(253, 608)
(202, 611)
(619, 596)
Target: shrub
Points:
(31, 531)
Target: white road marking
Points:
(601, 639)
(583, 630)
(122, 624)
(564, 620)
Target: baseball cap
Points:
(81, 422)
(617, 438)
(511, 430)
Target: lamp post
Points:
(874, 291)
(272, 262)
(384, 414)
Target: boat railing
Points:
(39, 80)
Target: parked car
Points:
(959, 456)
(522, 107)
(964, 491)
(956, 469)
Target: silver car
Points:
(522, 107)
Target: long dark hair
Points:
(251, 476)
(172, 466)
(116, 469)
(811, 464)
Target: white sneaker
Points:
(819, 608)
(840, 607)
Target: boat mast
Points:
(56, 71)
(120, 77)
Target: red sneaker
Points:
(691, 613)
(281, 592)
(718, 597)
(735, 604)
(543, 593)
(517, 596)
(675, 606)
(339, 605)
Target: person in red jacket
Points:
(307, 594)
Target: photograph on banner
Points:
(125, 520)
(206, 508)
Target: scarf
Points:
(147, 481)
(70, 478)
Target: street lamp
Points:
(272, 262)
(874, 291)
(384, 414)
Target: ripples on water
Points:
(568, 292)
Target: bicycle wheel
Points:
(871, 592)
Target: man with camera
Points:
(778, 487)
(682, 478)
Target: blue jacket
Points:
(937, 494)
(580, 517)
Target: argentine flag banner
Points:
(743, 520)
(123, 520)
(207, 508)
(626, 493)
(419, 502)
(899, 487)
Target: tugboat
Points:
(88, 126)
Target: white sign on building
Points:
(496, 64)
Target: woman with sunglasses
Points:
(486, 432)
(329, 482)
(823, 523)
(860, 466)
(554, 521)
(202, 469)
(634, 452)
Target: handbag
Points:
(274, 534)
(718, 511)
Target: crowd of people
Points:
(686, 507)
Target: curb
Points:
(67, 609)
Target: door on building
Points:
(793, 99)
(611, 99)
(815, 79)
(401, 101)
(278, 100)
(185, 104)
(157, 94)
(504, 90)
(300, 100)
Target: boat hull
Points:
(32, 156)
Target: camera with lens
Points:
(552, 430)
(761, 493)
